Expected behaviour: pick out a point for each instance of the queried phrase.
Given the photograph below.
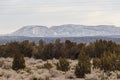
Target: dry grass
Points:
(34, 71)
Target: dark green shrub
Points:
(96, 63)
(83, 67)
(110, 62)
(63, 65)
(18, 62)
(48, 65)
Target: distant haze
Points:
(17, 13)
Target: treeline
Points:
(59, 49)
(104, 54)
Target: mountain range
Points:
(75, 33)
(68, 30)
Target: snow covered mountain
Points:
(33, 31)
(68, 30)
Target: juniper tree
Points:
(18, 62)
(83, 67)
(110, 62)
(63, 65)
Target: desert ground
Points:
(34, 71)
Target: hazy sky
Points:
(17, 13)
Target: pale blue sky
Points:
(17, 13)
